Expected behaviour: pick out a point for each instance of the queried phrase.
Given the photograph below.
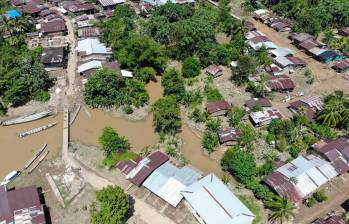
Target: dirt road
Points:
(327, 80)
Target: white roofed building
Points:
(213, 203)
(168, 181)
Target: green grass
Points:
(111, 161)
(212, 93)
(251, 204)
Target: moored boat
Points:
(27, 118)
(10, 177)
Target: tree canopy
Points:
(173, 84)
(106, 89)
(111, 206)
(166, 115)
(111, 142)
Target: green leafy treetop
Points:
(111, 207)
(111, 142)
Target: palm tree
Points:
(330, 115)
(262, 86)
(282, 210)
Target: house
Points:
(297, 62)
(260, 12)
(308, 45)
(281, 26)
(329, 56)
(89, 68)
(92, 48)
(275, 70)
(79, 7)
(30, 9)
(214, 70)
(138, 170)
(53, 28)
(257, 102)
(281, 52)
(311, 105)
(344, 31)
(336, 152)
(264, 117)
(332, 219)
(88, 32)
(229, 136)
(282, 62)
(17, 2)
(21, 205)
(217, 108)
(53, 58)
(341, 66)
(300, 177)
(253, 33)
(281, 83)
(212, 202)
(110, 4)
(299, 38)
(168, 181)
(316, 51)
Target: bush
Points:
(311, 202)
(128, 109)
(225, 178)
(111, 142)
(199, 116)
(166, 115)
(209, 141)
(320, 196)
(42, 96)
(212, 93)
(146, 74)
(191, 67)
(171, 151)
(240, 164)
(235, 116)
(111, 161)
(213, 125)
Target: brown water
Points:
(16, 152)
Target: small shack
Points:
(229, 137)
(214, 70)
(217, 108)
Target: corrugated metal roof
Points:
(215, 203)
(89, 65)
(92, 46)
(167, 182)
(282, 52)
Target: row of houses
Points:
(278, 23)
(299, 178)
(316, 49)
(208, 198)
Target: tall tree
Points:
(111, 207)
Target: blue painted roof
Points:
(328, 55)
(13, 14)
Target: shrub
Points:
(128, 109)
(191, 67)
(209, 141)
(320, 196)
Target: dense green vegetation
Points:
(166, 115)
(173, 84)
(115, 148)
(312, 16)
(111, 206)
(188, 31)
(133, 51)
(191, 67)
(22, 75)
(106, 89)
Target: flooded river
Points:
(15, 152)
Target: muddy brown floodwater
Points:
(15, 152)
